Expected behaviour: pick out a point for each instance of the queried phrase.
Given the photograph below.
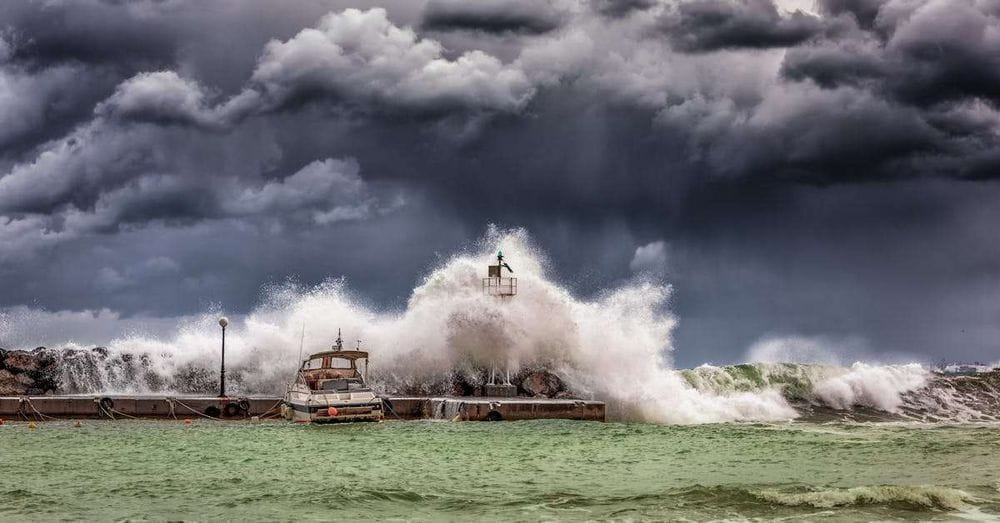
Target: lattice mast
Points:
(503, 287)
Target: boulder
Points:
(542, 383)
(30, 372)
(20, 361)
(9, 385)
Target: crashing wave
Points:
(911, 497)
(861, 391)
(615, 347)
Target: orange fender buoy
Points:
(187, 421)
(32, 426)
(332, 411)
(2, 421)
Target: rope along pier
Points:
(41, 408)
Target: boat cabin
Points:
(335, 371)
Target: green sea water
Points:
(519, 471)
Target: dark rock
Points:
(461, 388)
(9, 385)
(191, 379)
(542, 383)
(34, 372)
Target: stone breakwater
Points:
(35, 372)
(46, 371)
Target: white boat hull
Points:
(316, 407)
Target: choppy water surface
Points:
(519, 471)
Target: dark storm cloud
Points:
(785, 169)
(620, 8)
(833, 64)
(708, 25)
(864, 11)
(939, 52)
(89, 31)
(492, 16)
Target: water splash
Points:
(615, 347)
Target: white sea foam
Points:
(878, 386)
(921, 497)
(614, 347)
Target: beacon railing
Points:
(500, 286)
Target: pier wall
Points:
(31, 407)
(405, 408)
(496, 409)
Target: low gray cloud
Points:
(650, 259)
(160, 97)
(360, 57)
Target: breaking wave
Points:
(861, 391)
(615, 347)
(911, 497)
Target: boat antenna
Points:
(339, 342)
(302, 341)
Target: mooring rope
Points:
(110, 412)
(105, 411)
(122, 414)
(388, 404)
(41, 416)
(262, 414)
(179, 402)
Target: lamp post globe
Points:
(223, 322)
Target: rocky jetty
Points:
(43, 371)
(532, 383)
(36, 372)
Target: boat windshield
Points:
(334, 363)
(338, 363)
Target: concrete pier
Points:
(115, 406)
(466, 408)
(407, 408)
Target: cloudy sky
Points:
(823, 170)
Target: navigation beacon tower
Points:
(504, 288)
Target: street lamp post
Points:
(223, 322)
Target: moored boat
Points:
(330, 388)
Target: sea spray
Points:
(614, 347)
(878, 386)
